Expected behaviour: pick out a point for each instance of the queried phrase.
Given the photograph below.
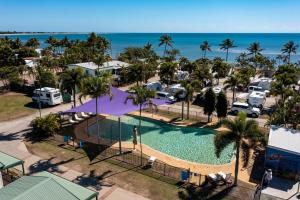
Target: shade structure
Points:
(113, 106)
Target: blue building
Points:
(283, 152)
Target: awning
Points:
(115, 106)
(8, 161)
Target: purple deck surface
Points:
(115, 106)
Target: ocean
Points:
(187, 43)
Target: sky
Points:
(161, 16)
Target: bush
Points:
(44, 127)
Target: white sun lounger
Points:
(151, 160)
(213, 177)
(72, 121)
(77, 118)
(82, 114)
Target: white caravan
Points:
(47, 96)
(156, 86)
(257, 99)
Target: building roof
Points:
(284, 139)
(7, 161)
(113, 106)
(114, 64)
(45, 186)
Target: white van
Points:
(47, 96)
(245, 107)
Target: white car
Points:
(245, 107)
(165, 96)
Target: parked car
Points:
(245, 107)
(156, 86)
(165, 96)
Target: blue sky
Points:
(150, 15)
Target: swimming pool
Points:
(187, 143)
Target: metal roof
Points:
(8, 161)
(45, 186)
(284, 139)
(114, 64)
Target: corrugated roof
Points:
(8, 161)
(45, 186)
(284, 139)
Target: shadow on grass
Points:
(93, 180)
(48, 165)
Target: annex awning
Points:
(115, 106)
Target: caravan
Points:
(47, 96)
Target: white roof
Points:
(256, 94)
(48, 89)
(115, 64)
(284, 139)
(240, 103)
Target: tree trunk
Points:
(237, 161)
(226, 55)
(289, 58)
(204, 54)
(188, 110)
(165, 50)
(182, 110)
(233, 95)
(208, 118)
(74, 96)
(140, 121)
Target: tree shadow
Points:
(9, 137)
(48, 165)
(93, 180)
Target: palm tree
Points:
(242, 59)
(165, 40)
(95, 87)
(33, 43)
(288, 49)
(232, 82)
(99, 60)
(205, 47)
(190, 88)
(245, 135)
(254, 48)
(141, 96)
(72, 78)
(226, 45)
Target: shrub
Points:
(44, 127)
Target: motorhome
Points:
(177, 90)
(47, 96)
(257, 99)
(258, 89)
(264, 83)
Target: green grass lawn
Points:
(12, 106)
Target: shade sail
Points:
(113, 106)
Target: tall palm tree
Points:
(33, 43)
(99, 60)
(190, 88)
(226, 45)
(72, 78)
(165, 40)
(141, 97)
(254, 48)
(232, 82)
(205, 46)
(245, 135)
(288, 49)
(242, 59)
(95, 87)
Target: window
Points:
(56, 95)
(48, 95)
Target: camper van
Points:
(47, 96)
(156, 86)
(257, 99)
(258, 89)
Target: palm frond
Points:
(222, 140)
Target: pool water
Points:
(187, 143)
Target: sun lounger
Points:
(151, 160)
(92, 114)
(77, 118)
(82, 114)
(225, 177)
(72, 121)
(212, 177)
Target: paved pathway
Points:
(11, 142)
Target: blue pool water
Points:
(187, 143)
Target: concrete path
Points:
(11, 142)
